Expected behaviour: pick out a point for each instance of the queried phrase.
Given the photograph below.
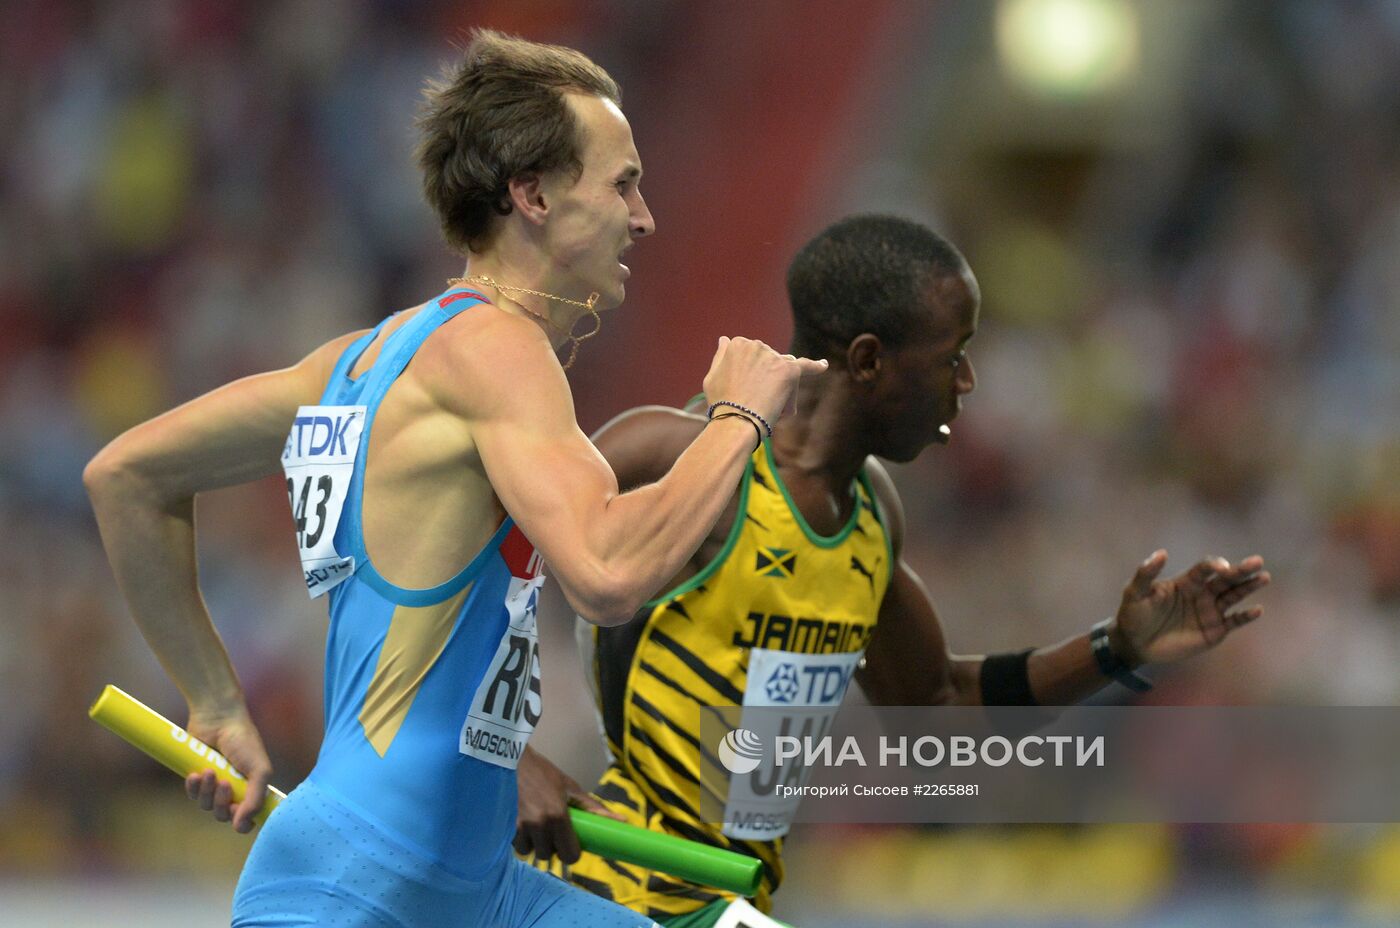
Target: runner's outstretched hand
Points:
(1161, 621)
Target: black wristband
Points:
(1006, 679)
(1110, 664)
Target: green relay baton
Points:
(170, 744)
(689, 860)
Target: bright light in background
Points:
(1068, 48)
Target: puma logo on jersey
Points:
(776, 562)
(861, 569)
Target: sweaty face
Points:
(595, 217)
(931, 374)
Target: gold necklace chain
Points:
(573, 339)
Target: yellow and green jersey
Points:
(777, 615)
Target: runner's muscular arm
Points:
(142, 487)
(609, 550)
(907, 662)
(640, 445)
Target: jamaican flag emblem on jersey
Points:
(776, 562)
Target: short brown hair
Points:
(498, 113)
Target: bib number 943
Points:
(319, 460)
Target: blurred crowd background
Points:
(1186, 221)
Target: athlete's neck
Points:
(822, 439)
(508, 279)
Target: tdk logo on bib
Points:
(782, 684)
(780, 678)
(319, 459)
(323, 436)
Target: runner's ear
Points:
(863, 358)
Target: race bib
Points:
(318, 460)
(507, 704)
(813, 685)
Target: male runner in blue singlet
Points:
(432, 464)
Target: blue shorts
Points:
(317, 862)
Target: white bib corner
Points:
(740, 914)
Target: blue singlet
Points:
(430, 696)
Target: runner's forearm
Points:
(648, 534)
(151, 547)
(1065, 674)
(1062, 674)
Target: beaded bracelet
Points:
(743, 409)
(738, 415)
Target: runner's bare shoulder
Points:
(484, 362)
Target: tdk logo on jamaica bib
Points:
(813, 685)
(782, 684)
